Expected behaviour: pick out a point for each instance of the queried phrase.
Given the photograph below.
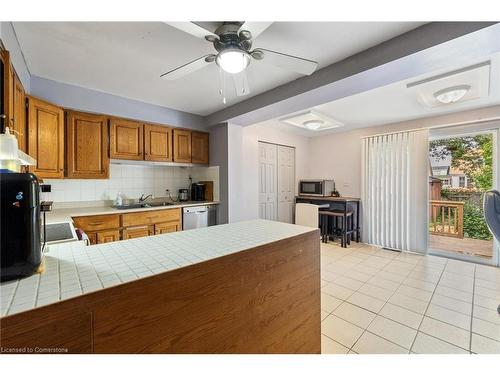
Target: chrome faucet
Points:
(143, 198)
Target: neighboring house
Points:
(451, 177)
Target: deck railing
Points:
(447, 218)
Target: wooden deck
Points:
(467, 246)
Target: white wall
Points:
(244, 160)
(11, 44)
(131, 181)
(338, 155)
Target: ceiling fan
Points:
(233, 43)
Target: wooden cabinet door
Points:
(92, 238)
(157, 143)
(126, 139)
(108, 236)
(167, 227)
(18, 121)
(199, 147)
(46, 138)
(182, 146)
(86, 146)
(136, 232)
(7, 101)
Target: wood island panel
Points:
(260, 300)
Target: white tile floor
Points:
(380, 301)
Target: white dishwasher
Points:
(199, 216)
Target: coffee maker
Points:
(197, 191)
(20, 233)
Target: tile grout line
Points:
(472, 309)
(427, 308)
(377, 314)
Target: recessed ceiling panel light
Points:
(451, 94)
(313, 124)
(311, 120)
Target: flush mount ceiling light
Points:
(313, 124)
(451, 94)
(233, 60)
(311, 120)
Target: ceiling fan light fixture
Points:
(233, 60)
(313, 124)
(451, 94)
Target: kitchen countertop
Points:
(65, 214)
(73, 269)
(331, 199)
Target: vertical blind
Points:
(395, 190)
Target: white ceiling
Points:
(127, 58)
(396, 102)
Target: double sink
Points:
(142, 205)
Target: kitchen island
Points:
(248, 287)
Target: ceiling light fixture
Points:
(451, 94)
(313, 124)
(233, 60)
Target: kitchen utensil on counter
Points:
(183, 195)
(197, 191)
(209, 190)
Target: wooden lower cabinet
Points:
(136, 232)
(99, 228)
(116, 227)
(163, 228)
(108, 236)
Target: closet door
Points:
(286, 183)
(268, 197)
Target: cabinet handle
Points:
(97, 223)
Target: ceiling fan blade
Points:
(255, 28)
(188, 68)
(289, 62)
(193, 29)
(241, 84)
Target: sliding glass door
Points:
(462, 167)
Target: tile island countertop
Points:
(73, 269)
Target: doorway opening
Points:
(461, 171)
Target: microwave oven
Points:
(320, 188)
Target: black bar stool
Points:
(338, 223)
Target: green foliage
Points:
(474, 223)
(471, 154)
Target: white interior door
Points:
(286, 183)
(268, 197)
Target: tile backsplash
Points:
(131, 181)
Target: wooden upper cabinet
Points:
(86, 145)
(46, 138)
(157, 143)
(126, 139)
(18, 121)
(199, 147)
(14, 102)
(182, 146)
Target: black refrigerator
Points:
(21, 251)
